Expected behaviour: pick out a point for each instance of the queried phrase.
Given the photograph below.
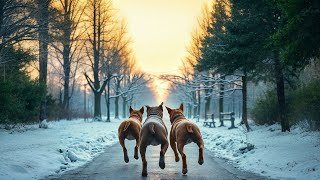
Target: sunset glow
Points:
(161, 31)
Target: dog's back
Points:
(186, 130)
(129, 128)
(153, 130)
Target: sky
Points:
(161, 30)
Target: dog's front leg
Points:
(174, 146)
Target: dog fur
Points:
(153, 132)
(182, 133)
(130, 129)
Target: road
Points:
(110, 165)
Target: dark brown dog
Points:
(182, 133)
(130, 129)
(153, 132)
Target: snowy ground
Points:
(33, 153)
(294, 155)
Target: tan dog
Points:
(153, 132)
(130, 129)
(182, 133)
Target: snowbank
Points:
(266, 150)
(34, 153)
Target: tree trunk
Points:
(108, 104)
(281, 96)
(244, 101)
(116, 100)
(194, 96)
(96, 52)
(199, 104)
(43, 21)
(207, 105)
(221, 94)
(124, 107)
(66, 57)
(97, 106)
(189, 110)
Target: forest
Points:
(259, 60)
(65, 59)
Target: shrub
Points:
(305, 105)
(265, 110)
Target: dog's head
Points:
(136, 113)
(175, 113)
(155, 110)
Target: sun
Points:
(160, 89)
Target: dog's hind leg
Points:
(136, 136)
(200, 160)
(125, 154)
(174, 147)
(184, 159)
(199, 142)
(143, 149)
(164, 147)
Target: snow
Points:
(33, 153)
(266, 150)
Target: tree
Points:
(19, 95)
(235, 44)
(293, 53)
(16, 22)
(67, 32)
(100, 26)
(301, 18)
(43, 32)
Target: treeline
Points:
(50, 50)
(241, 42)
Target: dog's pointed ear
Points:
(142, 110)
(181, 107)
(160, 106)
(130, 109)
(168, 109)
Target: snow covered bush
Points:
(305, 105)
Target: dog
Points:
(182, 133)
(130, 129)
(153, 132)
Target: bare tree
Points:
(100, 32)
(67, 33)
(16, 22)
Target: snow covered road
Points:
(33, 153)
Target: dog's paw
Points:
(184, 171)
(126, 159)
(136, 156)
(144, 174)
(177, 159)
(201, 161)
(162, 164)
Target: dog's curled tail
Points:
(126, 125)
(151, 128)
(189, 128)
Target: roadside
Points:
(266, 150)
